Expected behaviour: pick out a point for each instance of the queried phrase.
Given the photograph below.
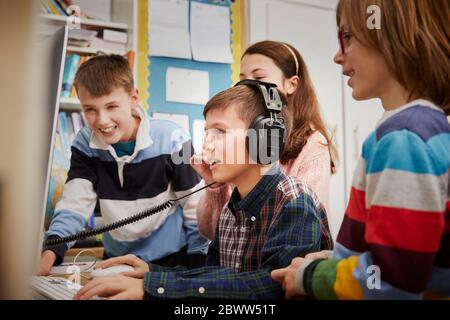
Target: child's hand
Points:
(115, 288)
(286, 277)
(199, 164)
(45, 265)
(140, 266)
(324, 254)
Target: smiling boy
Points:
(123, 160)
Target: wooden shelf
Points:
(87, 22)
(69, 104)
(89, 50)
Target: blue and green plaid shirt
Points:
(280, 219)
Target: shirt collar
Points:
(143, 139)
(252, 204)
(422, 102)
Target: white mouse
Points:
(111, 271)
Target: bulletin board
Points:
(151, 76)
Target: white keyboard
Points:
(53, 288)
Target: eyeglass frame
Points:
(341, 39)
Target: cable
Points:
(115, 225)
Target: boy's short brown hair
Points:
(247, 100)
(102, 74)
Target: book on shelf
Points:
(115, 36)
(77, 124)
(70, 130)
(109, 46)
(44, 8)
(70, 69)
(82, 34)
(78, 43)
(130, 58)
(56, 8)
(69, 125)
(63, 129)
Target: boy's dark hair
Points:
(248, 101)
(102, 74)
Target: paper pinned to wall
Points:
(210, 33)
(181, 119)
(187, 85)
(198, 135)
(168, 28)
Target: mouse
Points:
(111, 271)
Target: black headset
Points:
(269, 127)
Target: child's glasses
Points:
(344, 40)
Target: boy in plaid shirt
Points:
(269, 219)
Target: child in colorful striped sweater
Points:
(394, 242)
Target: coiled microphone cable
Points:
(116, 225)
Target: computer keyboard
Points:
(53, 288)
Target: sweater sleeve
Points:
(400, 214)
(294, 232)
(77, 203)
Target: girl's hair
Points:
(414, 40)
(303, 107)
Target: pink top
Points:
(311, 166)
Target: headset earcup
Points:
(263, 132)
(252, 139)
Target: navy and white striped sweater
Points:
(129, 184)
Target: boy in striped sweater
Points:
(394, 242)
(128, 163)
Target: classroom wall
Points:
(220, 77)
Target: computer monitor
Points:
(56, 46)
(31, 78)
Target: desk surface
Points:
(86, 255)
(96, 251)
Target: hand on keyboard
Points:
(54, 288)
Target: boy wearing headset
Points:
(269, 219)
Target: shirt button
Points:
(242, 229)
(237, 265)
(160, 290)
(253, 218)
(201, 290)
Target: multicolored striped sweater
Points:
(394, 242)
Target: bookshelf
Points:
(122, 13)
(70, 104)
(70, 118)
(87, 22)
(89, 51)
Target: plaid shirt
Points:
(280, 219)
